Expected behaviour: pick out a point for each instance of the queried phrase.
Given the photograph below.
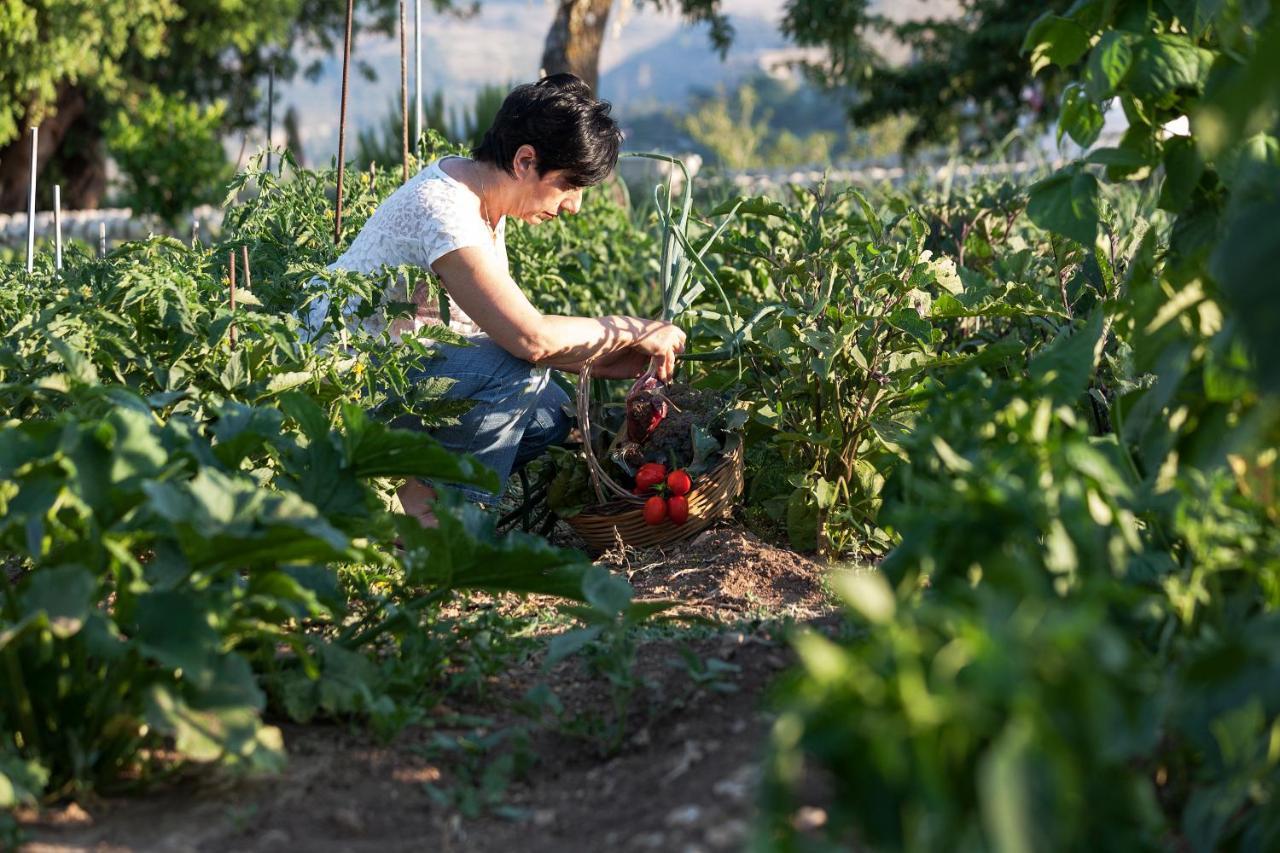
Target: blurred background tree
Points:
(170, 154)
(463, 125)
(963, 76)
(71, 66)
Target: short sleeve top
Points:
(431, 215)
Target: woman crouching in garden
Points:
(549, 141)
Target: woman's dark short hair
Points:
(567, 127)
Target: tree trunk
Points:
(70, 154)
(574, 40)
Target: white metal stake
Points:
(57, 226)
(102, 239)
(31, 203)
(417, 72)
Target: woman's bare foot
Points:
(416, 501)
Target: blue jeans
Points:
(518, 411)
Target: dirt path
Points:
(684, 779)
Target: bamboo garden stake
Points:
(342, 123)
(31, 203)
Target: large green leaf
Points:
(1166, 67)
(1080, 116)
(65, 594)
(463, 552)
(1109, 62)
(1247, 263)
(220, 724)
(376, 450)
(1065, 366)
(1066, 203)
(1054, 40)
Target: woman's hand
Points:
(626, 363)
(662, 342)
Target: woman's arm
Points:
(483, 289)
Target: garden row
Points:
(1051, 408)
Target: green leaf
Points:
(463, 552)
(802, 520)
(235, 375)
(571, 642)
(312, 419)
(375, 450)
(1109, 62)
(1183, 168)
(1245, 263)
(176, 630)
(1167, 67)
(21, 781)
(282, 382)
(1054, 40)
(1080, 116)
(909, 320)
(1005, 784)
(1066, 365)
(607, 592)
(65, 594)
(220, 724)
(1066, 203)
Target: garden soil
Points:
(684, 780)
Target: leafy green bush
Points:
(1074, 644)
(170, 154)
(175, 507)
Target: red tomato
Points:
(678, 509)
(655, 510)
(679, 482)
(650, 475)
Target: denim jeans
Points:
(518, 411)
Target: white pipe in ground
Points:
(31, 204)
(417, 72)
(57, 226)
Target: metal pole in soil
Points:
(417, 72)
(404, 103)
(102, 239)
(342, 123)
(271, 109)
(57, 226)
(31, 203)
(232, 256)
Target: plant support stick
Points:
(57, 226)
(404, 103)
(31, 204)
(232, 259)
(102, 239)
(417, 73)
(271, 110)
(342, 123)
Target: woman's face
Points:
(542, 197)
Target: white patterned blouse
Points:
(431, 215)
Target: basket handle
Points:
(600, 479)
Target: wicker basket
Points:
(620, 514)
